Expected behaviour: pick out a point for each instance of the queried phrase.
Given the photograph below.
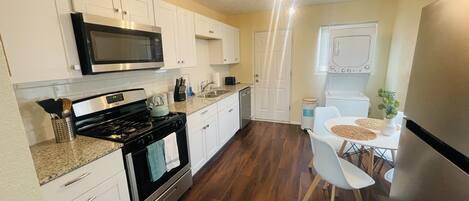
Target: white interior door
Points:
(272, 75)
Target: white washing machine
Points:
(349, 103)
(346, 92)
(350, 62)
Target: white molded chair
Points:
(321, 115)
(334, 170)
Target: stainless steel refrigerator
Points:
(432, 160)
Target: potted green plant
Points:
(390, 107)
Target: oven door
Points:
(109, 45)
(142, 185)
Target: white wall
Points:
(18, 180)
(37, 123)
(403, 44)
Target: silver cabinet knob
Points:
(257, 75)
(116, 10)
(125, 12)
(182, 61)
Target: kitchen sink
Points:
(214, 93)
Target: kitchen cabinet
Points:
(236, 45)
(38, 40)
(228, 110)
(178, 35)
(207, 28)
(114, 189)
(226, 50)
(103, 179)
(139, 11)
(202, 127)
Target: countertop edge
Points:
(214, 100)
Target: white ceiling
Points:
(246, 6)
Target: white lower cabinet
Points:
(103, 179)
(202, 127)
(210, 129)
(229, 117)
(115, 188)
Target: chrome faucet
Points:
(204, 86)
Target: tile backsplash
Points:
(37, 123)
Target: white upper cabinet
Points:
(165, 18)
(236, 46)
(178, 35)
(226, 50)
(207, 28)
(38, 40)
(186, 36)
(105, 8)
(139, 11)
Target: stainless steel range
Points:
(155, 150)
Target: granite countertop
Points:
(195, 103)
(53, 160)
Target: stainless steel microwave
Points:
(110, 45)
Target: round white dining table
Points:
(380, 142)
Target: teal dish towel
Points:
(156, 160)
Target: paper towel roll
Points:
(216, 77)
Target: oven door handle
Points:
(131, 175)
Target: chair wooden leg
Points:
(312, 187)
(357, 194)
(342, 148)
(371, 162)
(333, 193)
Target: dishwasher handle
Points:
(246, 91)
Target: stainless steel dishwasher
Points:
(245, 107)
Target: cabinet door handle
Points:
(91, 198)
(208, 125)
(116, 10)
(5, 54)
(179, 62)
(77, 179)
(204, 112)
(210, 31)
(182, 61)
(231, 110)
(124, 12)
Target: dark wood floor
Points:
(268, 161)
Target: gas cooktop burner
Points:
(125, 129)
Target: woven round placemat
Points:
(353, 132)
(374, 124)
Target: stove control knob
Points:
(141, 142)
